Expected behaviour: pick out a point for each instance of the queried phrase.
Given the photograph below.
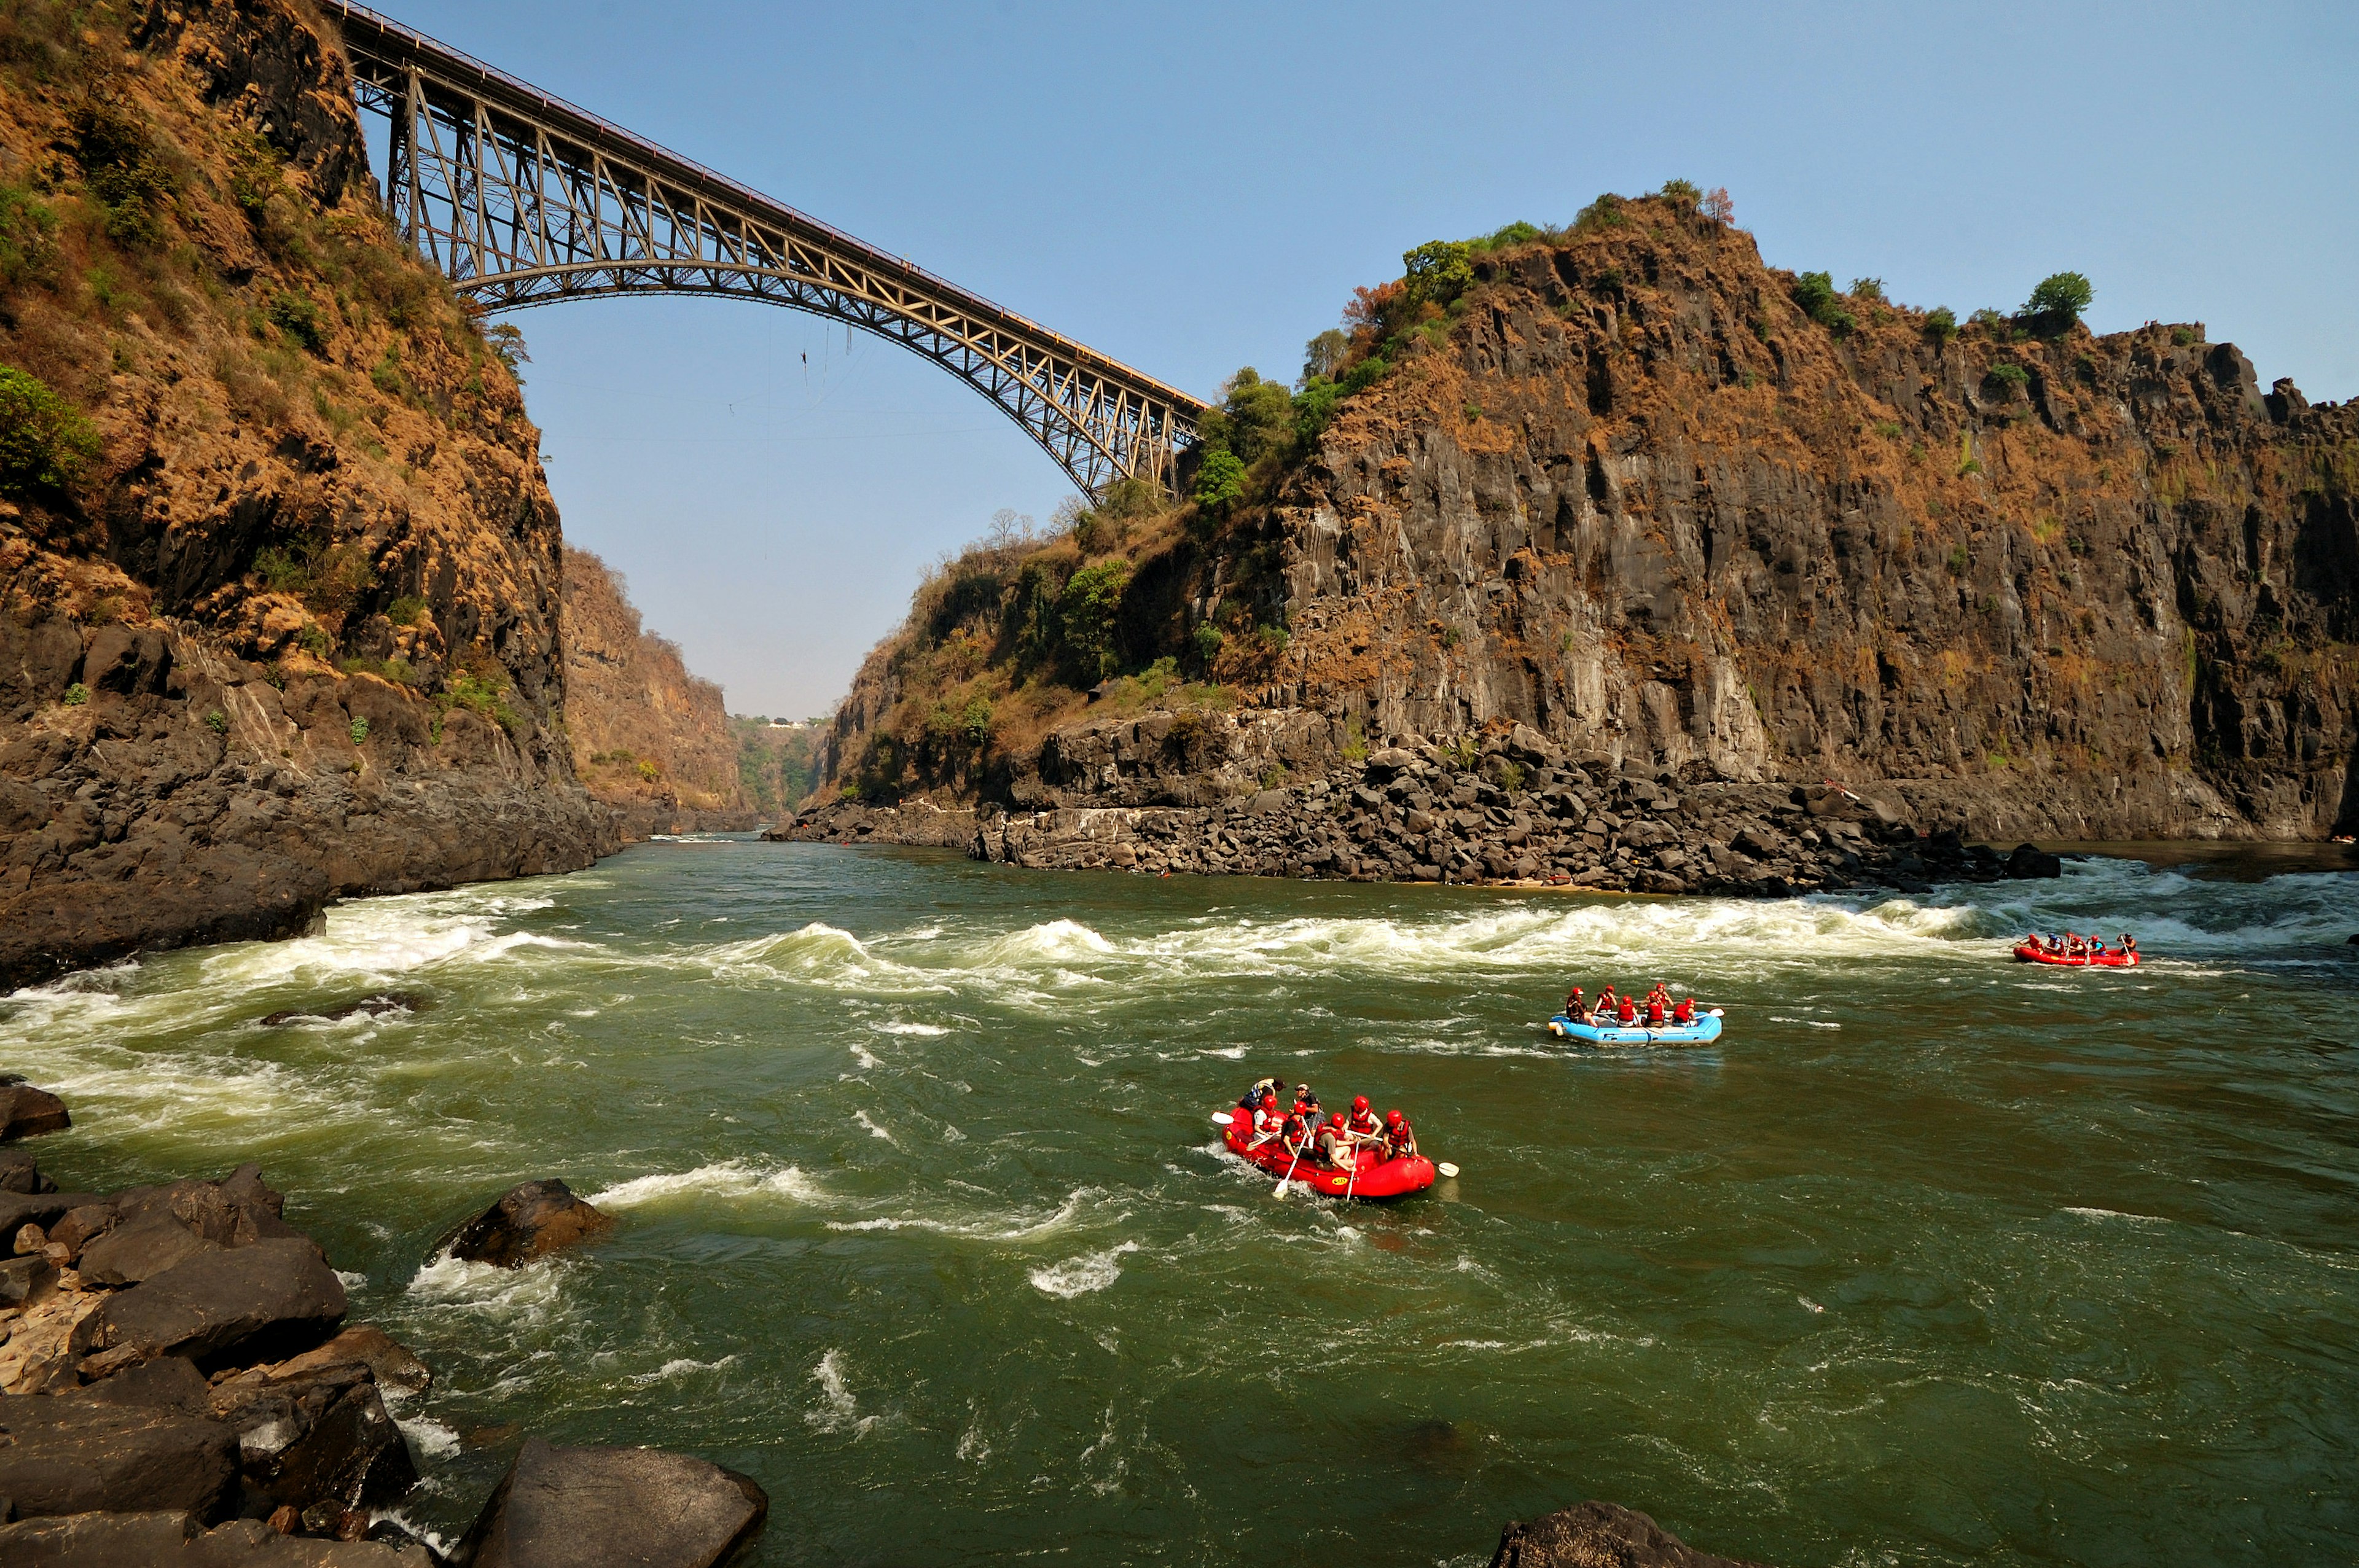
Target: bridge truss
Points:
(522, 200)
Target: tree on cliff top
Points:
(2057, 303)
(45, 442)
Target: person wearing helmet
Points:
(1302, 1123)
(1251, 1100)
(1628, 1012)
(1335, 1144)
(1656, 1016)
(1575, 1006)
(1604, 1014)
(1268, 1123)
(1400, 1139)
(1685, 1014)
(1363, 1125)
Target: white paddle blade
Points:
(1222, 1119)
(1718, 1012)
(1279, 1191)
(1447, 1169)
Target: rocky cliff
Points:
(1689, 519)
(278, 568)
(648, 738)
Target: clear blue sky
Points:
(1195, 188)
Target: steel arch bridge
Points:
(521, 198)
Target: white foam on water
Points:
(679, 1366)
(730, 1179)
(927, 1030)
(838, 1411)
(2114, 1214)
(1809, 1305)
(351, 1282)
(430, 1437)
(1080, 1276)
(525, 1295)
(873, 1130)
(861, 1055)
(994, 1229)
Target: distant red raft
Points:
(1377, 1178)
(2111, 958)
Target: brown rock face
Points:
(26, 1111)
(1625, 496)
(1635, 498)
(292, 633)
(590, 1508)
(649, 738)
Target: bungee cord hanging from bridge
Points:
(521, 198)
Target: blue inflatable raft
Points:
(1702, 1032)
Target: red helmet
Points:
(1359, 1102)
(1267, 1097)
(1392, 1119)
(1336, 1119)
(1576, 991)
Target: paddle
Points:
(1287, 1179)
(1446, 1168)
(1222, 1119)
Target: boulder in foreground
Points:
(271, 1295)
(71, 1453)
(168, 1540)
(530, 1220)
(614, 1508)
(1600, 1535)
(26, 1111)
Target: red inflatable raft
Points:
(1377, 1178)
(2111, 958)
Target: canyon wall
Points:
(650, 740)
(279, 570)
(1619, 486)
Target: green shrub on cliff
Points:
(1438, 271)
(1323, 354)
(122, 170)
(45, 441)
(1815, 293)
(1941, 323)
(1089, 611)
(28, 235)
(1220, 482)
(2002, 381)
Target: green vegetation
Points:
(29, 229)
(45, 442)
(1958, 561)
(297, 316)
(1815, 293)
(1967, 462)
(360, 730)
(1941, 323)
(124, 171)
(217, 721)
(2056, 306)
(1220, 481)
(777, 766)
(1681, 192)
(2002, 381)
(1868, 289)
(1091, 606)
(484, 691)
(1994, 322)
(1323, 355)
(76, 695)
(1438, 271)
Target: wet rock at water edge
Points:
(162, 1538)
(316, 1435)
(2030, 862)
(1600, 1535)
(27, 1111)
(377, 1005)
(531, 1220)
(594, 1508)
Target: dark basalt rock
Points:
(2029, 861)
(530, 1220)
(319, 1436)
(165, 1539)
(614, 1508)
(69, 1454)
(1598, 1535)
(19, 1174)
(140, 1249)
(270, 1295)
(26, 1112)
(376, 1006)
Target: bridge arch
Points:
(520, 200)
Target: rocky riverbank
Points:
(1510, 807)
(177, 1385)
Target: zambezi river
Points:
(1935, 1258)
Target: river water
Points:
(1935, 1258)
